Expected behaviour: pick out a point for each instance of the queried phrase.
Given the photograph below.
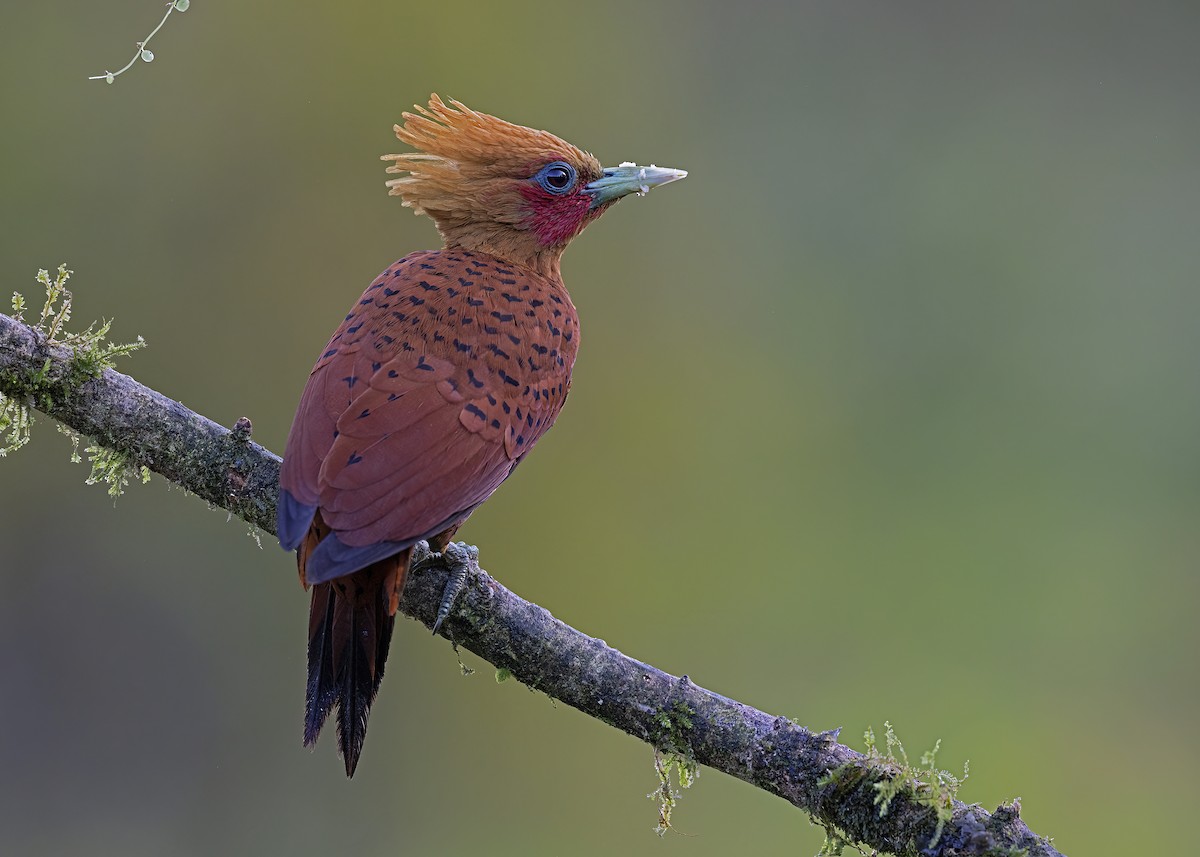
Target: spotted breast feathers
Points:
(441, 378)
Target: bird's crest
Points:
(453, 134)
(466, 172)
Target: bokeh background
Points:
(888, 412)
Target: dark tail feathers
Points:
(349, 630)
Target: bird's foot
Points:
(458, 557)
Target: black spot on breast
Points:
(429, 287)
(451, 291)
(462, 346)
(474, 302)
(505, 317)
(349, 316)
(392, 373)
(507, 282)
(465, 283)
(354, 329)
(475, 382)
(473, 272)
(515, 340)
(511, 298)
(495, 349)
(391, 292)
(351, 380)
(375, 366)
(354, 458)
(495, 423)
(475, 411)
(366, 412)
(400, 316)
(415, 301)
(508, 379)
(329, 353)
(393, 397)
(422, 365)
(366, 301)
(536, 302)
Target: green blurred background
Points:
(889, 411)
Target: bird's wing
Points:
(424, 401)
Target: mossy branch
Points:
(842, 789)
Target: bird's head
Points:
(504, 189)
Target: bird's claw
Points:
(458, 558)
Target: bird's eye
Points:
(557, 177)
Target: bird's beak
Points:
(629, 178)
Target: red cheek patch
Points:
(555, 219)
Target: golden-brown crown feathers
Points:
(456, 134)
(466, 173)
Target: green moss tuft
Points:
(91, 354)
(686, 771)
(673, 755)
(115, 469)
(892, 775)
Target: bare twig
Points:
(143, 53)
(840, 787)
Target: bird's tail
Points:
(349, 630)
